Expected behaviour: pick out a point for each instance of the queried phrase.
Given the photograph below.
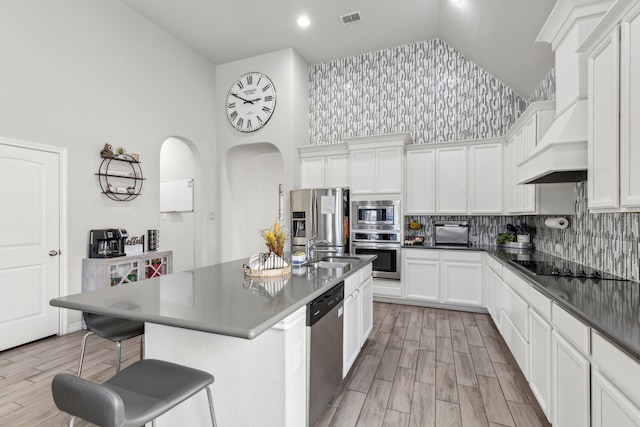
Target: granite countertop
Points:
(610, 307)
(217, 299)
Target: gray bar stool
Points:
(138, 394)
(113, 329)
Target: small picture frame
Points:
(134, 245)
(135, 157)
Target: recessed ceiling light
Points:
(303, 21)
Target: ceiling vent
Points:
(351, 18)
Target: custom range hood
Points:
(561, 154)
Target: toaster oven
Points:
(451, 233)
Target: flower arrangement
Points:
(274, 238)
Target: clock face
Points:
(250, 102)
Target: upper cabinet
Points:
(324, 166)
(455, 178)
(522, 143)
(613, 52)
(377, 163)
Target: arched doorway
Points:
(179, 231)
(249, 197)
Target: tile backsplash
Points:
(606, 241)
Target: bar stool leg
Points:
(118, 353)
(84, 346)
(213, 415)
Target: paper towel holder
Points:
(558, 223)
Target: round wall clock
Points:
(250, 102)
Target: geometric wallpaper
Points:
(425, 88)
(437, 94)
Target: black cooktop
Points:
(563, 268)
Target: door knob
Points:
(54, 253)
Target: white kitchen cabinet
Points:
(451, 180)
(351, 326)
(462, 278)
(324, 166)
(610, 407)
(603, 105)
(337, 171)
(539, 359)
(515, 325)
(421, 273)
(420, 196)
(615, 386)
(569, 384)
(493, 290)
(614, 105)
(357, 316)
(366, 293)
(570, 370)
(377, 163)
(363, 171)
(485, 178)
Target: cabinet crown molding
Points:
(323, 150)
(377, 141)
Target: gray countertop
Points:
(217, 299)
(610, 307)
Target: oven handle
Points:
(357, 244)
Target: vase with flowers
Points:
(275, 237)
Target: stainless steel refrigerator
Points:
(321, 214)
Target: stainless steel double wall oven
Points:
(375, 230)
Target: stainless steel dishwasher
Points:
(324, 348)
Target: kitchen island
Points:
(250, 333)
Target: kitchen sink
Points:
(322, 263)
(341, 259)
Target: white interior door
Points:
(29, 246)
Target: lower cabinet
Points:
(569, 384)
(493, 293)
(441, 276)
(615, 386)
(462, 278)
(609, 406)
(421, 274)
(366, 295)
(539, 360)
(357, 316)
(351, 337)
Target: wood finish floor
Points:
(420, 367)
(430, 367)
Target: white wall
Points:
(178, 229)
(77, 74)
(241, 220)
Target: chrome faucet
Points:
(311, 244)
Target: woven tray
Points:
(272, 272)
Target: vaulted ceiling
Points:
(499, 35)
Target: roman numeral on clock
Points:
(268, 98)
(259, 119)
(240, 122)
(266, 88)
(231, 105)
(249, 124)
(233, 115)
(239, 84)
(266, 109)
(249, 79)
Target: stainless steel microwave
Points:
(375, 214)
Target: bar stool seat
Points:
(133, 397)
(113, 329)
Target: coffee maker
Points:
(108, 243)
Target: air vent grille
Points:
(351, 18)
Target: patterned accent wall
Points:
(606, 241)
(425, 88)
(546, 91)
